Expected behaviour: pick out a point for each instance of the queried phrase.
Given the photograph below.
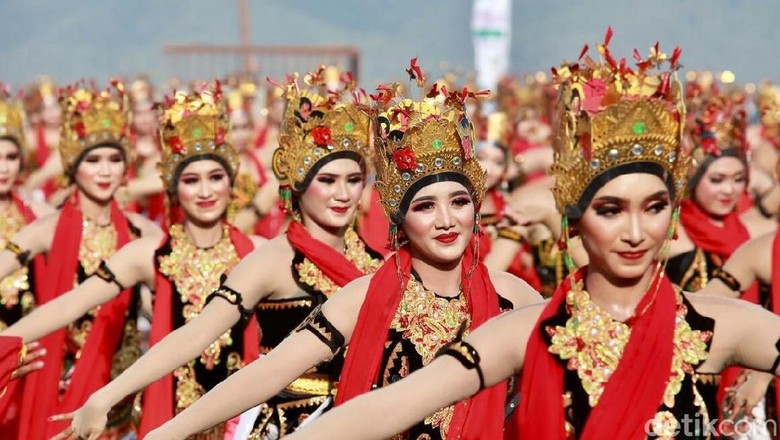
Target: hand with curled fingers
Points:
(742, 398)
(87, 422)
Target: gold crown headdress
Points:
(318, 127)
(194, 125)
(11, 119)
(613, 118)
(768, 103)
(718, 128)
(419, 139)
(92, 119)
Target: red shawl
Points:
(332, 263)
(158, 396)
(632, 395)
(776, 299)
(476, 418)
(38, 265)
(720, 241)
(93, 369)
(10, 348)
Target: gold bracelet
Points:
(509, 234)
(21, 255)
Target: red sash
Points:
(476, 418)
(632, 395)
(93, 368)
(332, 263)
(158, 396)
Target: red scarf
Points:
(332, 263)
(10, 348)
(159, 395)
(476, 418)
(13, 392)
(717, 240)
(93, 369)
(632, 395)
(776, 299)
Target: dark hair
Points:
(205, 156)
(576, 211)
(72, 171)
(447, 176)
(702, 169)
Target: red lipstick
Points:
(105, 185)
(340, 209)
(447, 238)
(207, 204)
(635, 255)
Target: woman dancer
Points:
(615, 353)
(320, 164)
(88, 230)
(395, 320)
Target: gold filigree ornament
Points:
(354, 250)
(195, 125)
(615, 118)
(416, 139)
(11, 119)
(592, 343)
(91, 119)
(196, 273)
(319, 124)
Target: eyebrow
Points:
(611, 199)
(459, 192)
(334, 175)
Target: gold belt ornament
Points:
(312, 384)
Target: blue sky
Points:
(99, 38)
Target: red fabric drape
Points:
(332, 263)
(10, 348)
(476, 418)
(93, 369)
(374, 225)
(632, 395)
(158, 406)
(13, 396)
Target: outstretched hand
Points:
(31, 361)
(87, 422)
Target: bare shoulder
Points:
(719, 307)
(147, 227)
(272, 252)
(514, 289)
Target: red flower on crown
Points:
(80, 129)
(322, 136)
(177, 146)
(404, 159)
(220, 136)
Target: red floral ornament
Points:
(404, 159)
(177, 146)
(220, 136)
(322, 136)
(80, 129)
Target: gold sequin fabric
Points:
(429, 322)
(11, 222)
(354, 251)
(592, 343)
(196, 273)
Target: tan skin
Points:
(745, 334)
(203, 192)
(338, 184)
(97, 177)
(10, 166)
(443, 207)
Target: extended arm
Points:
(267, 376)
(751, 262)
(126, 268)
(385, 412)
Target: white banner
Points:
(491, 27)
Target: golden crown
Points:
(609, 116)
(315, 127)
(416, 139)
(92, 119)
(768, 103)
(192, 125)
(719, 125)
(11, 119)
